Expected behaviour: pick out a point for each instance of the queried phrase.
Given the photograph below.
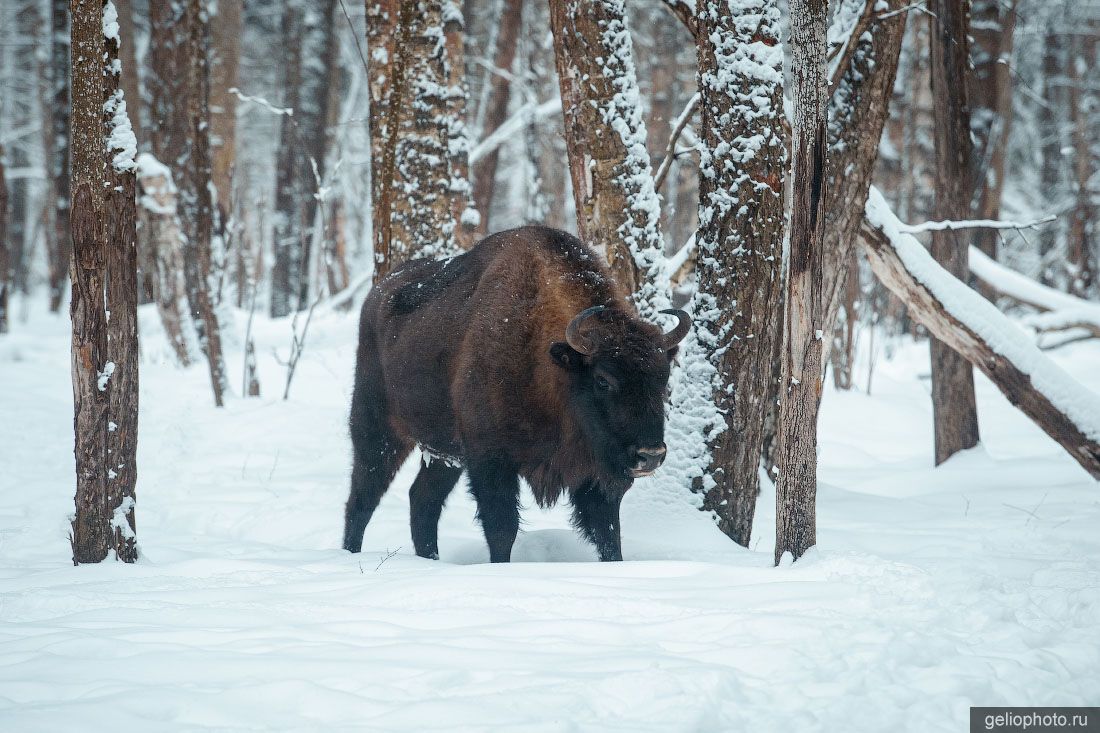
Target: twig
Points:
(355, 37)
(389, 554)
(289, 112)
(685, 13)
(949, 225)
(670, 150)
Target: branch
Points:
(968, 323)
(262, 102)
(670, 150)
(685, 13)
(939, 226)
(524, 116)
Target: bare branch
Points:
(670, 150)
(685, 13)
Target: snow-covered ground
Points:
(977, 583)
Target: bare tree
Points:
(195, 202)
(800, 385)
(307, 36)
(617, 205)
(5, 249)
(122, 298)
(955, 413)
(496, 112)
(1083, 120)
(61, 242)
(382, 30)
(226, 40)
(738, 306)
(104, 390)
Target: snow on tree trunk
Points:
(308, 37)
(955, 413)
(800, 375)
(1083, 101)
(496, 107)
(428, 196)
(728, 355)
(122, 298)
(91, 366)
(382, 29)
(953, 312)
(61, 242)
(617, 205)
(195, 202)
(863, 79)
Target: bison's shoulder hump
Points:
(429, 281)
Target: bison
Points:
(520, 357)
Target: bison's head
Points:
(618, 371)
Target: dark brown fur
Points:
(456, 356)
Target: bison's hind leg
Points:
(378, 451)
(596, 516)
(426, 498)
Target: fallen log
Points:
(960, 317)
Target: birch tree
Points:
(800, 385)
(955, 414)
(617, 205)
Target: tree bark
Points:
(617, 206)
(800, 385)
(739, 258)
(5, 250)
(955, 414)
(1012, 379)
(1081, 275)
(382, 30)
(91, 368)
(993, 30)
(59, 67)
(122, 300)
(196, 205)
(308, 37)
(226, 37)
(500, 88)
(428, 187)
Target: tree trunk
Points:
(464, 216)
(617, 206)
(160, 245)
(1079, 255)
(1052, 161)
(91, 367)
(196, 205)
(739, 258)
(1042, 391)
(496, 112)
(427, 176)
(226, 37)
(382, 29)
(5, 250)
(954, 410)
(307, 36)
(800, 385)
(62, 239)
(993, 30)
(122, 299)
(858, 108)
(127, 55)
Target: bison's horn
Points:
(677, 334)
(573, 334)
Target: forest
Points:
(851, 248)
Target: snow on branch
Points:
(1061, 311)
(960, 317)
(523, 117)
(948, 225)
(289, 112)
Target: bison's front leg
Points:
(494, 482)
(596, 516)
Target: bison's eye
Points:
(602, 384)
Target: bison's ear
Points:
(566, 356)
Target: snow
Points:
(976, 583)
(1006, 338)
(110, 23)
(121, 140)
